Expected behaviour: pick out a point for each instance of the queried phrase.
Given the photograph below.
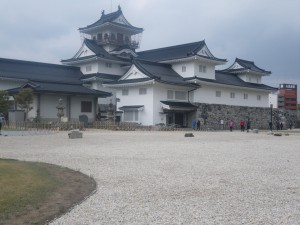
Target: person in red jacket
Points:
(242, 124)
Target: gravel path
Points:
(163, 178)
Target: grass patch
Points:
(34, 193)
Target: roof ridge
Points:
(173, 46)
(20, 61)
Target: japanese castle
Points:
(158, 86)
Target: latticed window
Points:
(86, 106)
(245, 96)
(232, 95)
(180, 95)
(258, 97)
(131, 116)
(170, 94)
(218, 93)
(143, 91)
(125, 92)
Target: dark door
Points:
(179, 119)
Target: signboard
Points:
(288, 86)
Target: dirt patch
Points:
(74, 188)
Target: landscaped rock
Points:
(75, 134)
(278, 134)
(189, 135)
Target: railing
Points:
(52, 126)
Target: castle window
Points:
(143, 91)
(99, 37)
(131, 116)
(218, 93)
(183, 69)
(113, 37)
(108, 65)
(180, 95)
(125, 92)
(232, 95)
(202, 69)
(88, 68)
(86, 106)
(245, 96)
(258, 97)
(170, 94)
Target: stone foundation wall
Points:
(210, 116)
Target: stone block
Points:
(188, 135)
(255, 131)
(75, 134)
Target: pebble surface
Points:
(164, 178)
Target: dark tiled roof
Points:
(99, 52)
(179, 104)
(231, 79)
(161, 72)
(109, 18)
(174, 52)
(247, 65)
(128, 107)
(59, 88)
(101, 76)
(130, 81)
(35, 71)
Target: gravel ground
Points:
(163, 178)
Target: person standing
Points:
(0, 126)
(248, 125)
(198, 124)
(194, 123)
(231, 125)
(281, 125)
(242, 124)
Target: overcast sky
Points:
(264, 31)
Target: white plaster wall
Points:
(94, 67)
(252, 78)
(210, 71)
(48, 105)
(33, 113)
(161, 94)
(273, 99)
(76, 108)
(207, 94)
(190, 69)
(115, 69)
(134, 98)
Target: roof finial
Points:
(103, 12)
(119, 7)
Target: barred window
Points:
(88, 68)
(131, 116)
(258, 97)
(202, 69)
(180, 95)
(86, 106)
(143, 91)
(245, 96)
(170, 94)
(125, 92)
(183, 68)
(232, 95)
(218, 93)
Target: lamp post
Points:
(271, 119)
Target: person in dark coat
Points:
(198, 124)
(0, 126)
(248, 125)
